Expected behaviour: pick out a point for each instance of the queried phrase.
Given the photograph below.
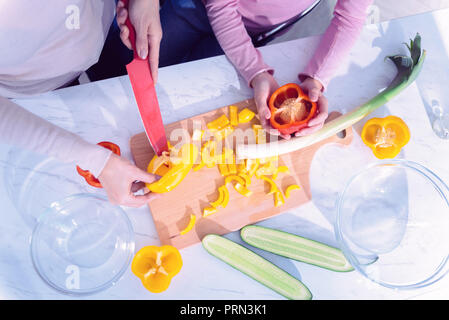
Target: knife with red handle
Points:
(145, 94)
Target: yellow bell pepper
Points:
(190, 225)
(246, 115)
(385, 136)
(236, 178)
(233, 115)
(218, 123)
(223, 168)
(290, 189)
(156, 266)
(208, 154)
(187, 156)
(225, 192)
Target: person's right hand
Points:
(144, 16)
(118, 179)
(264, 85)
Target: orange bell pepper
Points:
(89, 177)
(385, 136)
(291, 109)
(156, 266)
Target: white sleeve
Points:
(22, 128)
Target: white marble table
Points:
(106, 110)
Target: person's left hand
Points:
(313, 88)
(144, 16)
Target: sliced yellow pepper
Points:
(233, 115)
(187, 156)
(223, 168)
(251, 166)
(290, 189)
(218, 123)
(260, 134)
(209, 210)
(240, 188)
(234, 177)
(232, 166)
(190, 225)
(266, 169)
(225, 191)
(246, 178)
(208, 154)
(246, 115)
(385, 136)
(279, 199)
(222, 133)
(283, 169)
(199, 166)
(273, 186)
(156, 266)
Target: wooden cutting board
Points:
(171, 212)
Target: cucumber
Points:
(256, 267)
(295, 247)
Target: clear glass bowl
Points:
(82, 244)
(393, 224)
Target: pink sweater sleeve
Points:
(230, 31)
(22, 128)
(337, 41)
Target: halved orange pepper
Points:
(89, 177)
(385, 136)
(156, 266)
(291, 109)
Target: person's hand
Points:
(144, 16)
(313, 88)
(264, 85)
(119, 179)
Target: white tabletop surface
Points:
(106, 110)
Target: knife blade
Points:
(145, 94)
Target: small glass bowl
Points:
(393, 224)
(82, 244)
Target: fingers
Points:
(323, 112)
(145, 176)
(141, 40)
(314, 94)
(154, 44)
(124, 36)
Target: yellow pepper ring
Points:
(385, 136)
(290, 189)
(190, 225)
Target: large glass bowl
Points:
(393, 224)
(82, 244)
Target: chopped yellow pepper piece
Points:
(190, 225)
(246, 115)
(224, 132)
(199, 166)
(218, 123)
(260, 134)
(225, 196)
(266, 169)
(246, 178)
(240, 188)
(233, 114)
(232, 166)
(233, 177)
(283, 169)
(220, 199)
(208, 153)
(209, 210)
(223, 168)
(273, 186)
(290, 189)
(278, 199)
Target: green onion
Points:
(408, 68)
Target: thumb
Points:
(141, 42)
(314, 94)
(145, 176)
